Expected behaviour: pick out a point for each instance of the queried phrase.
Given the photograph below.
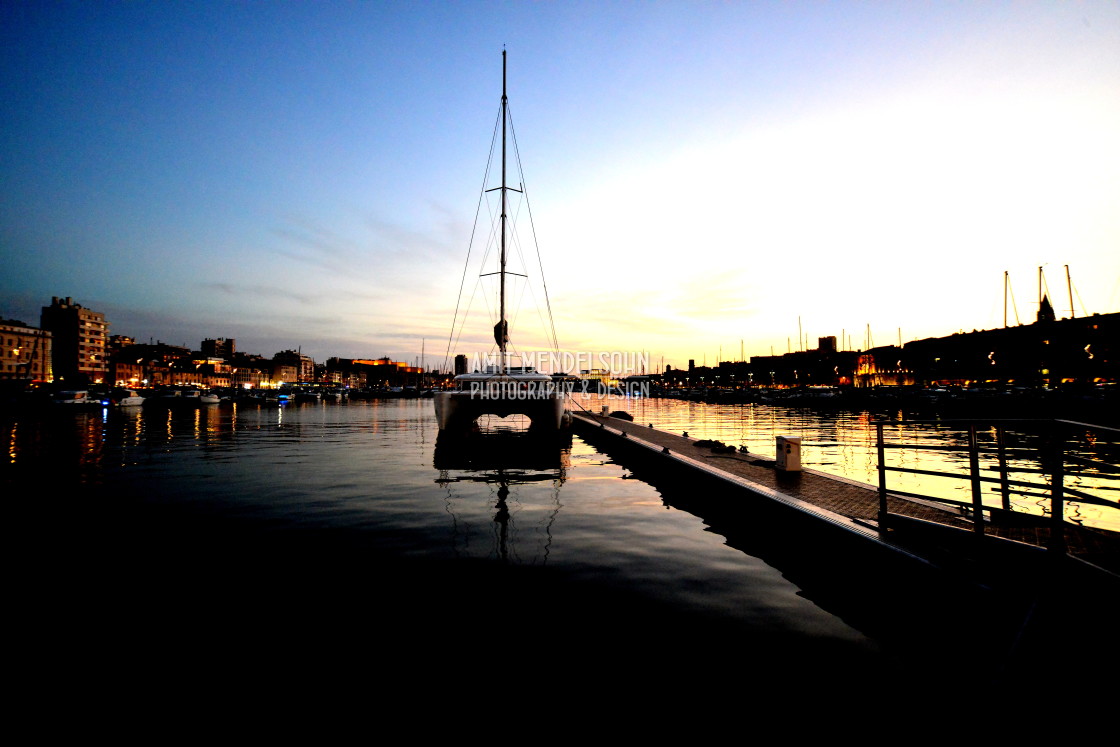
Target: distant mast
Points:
(1069, 288)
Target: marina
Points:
(788, 401)
(885, 517)
(840, 440)
(330, 529)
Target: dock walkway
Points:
(848, 504)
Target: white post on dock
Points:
(788, 453)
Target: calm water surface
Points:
(843, 443)
(274, 534)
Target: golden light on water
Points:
(844, 444)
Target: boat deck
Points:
(851, 505)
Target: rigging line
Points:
(513, 236)
(533, 229)
(536, 304)
(1084, 310)
(470, 244)
(486, 300)
(486, 254)
(528, 207)
(540, 315)
(1013, 306)
(544, 325)
(520, 300)
(493, 204)
(474, 293)
(491, 238)
(1076, 292)
(514, 239)
(549, 327)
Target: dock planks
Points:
(854, 506)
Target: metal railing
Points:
(1046, 452)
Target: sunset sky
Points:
(704, 177)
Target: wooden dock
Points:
(921, 530)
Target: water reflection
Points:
(520, 521)
(843, 443)
(83, 444)
(321, 519)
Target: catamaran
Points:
(502, 389)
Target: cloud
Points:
(260, 291)
(316, 246)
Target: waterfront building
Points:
(596, 379)
(824, 366)
(251, 371)
(118, 343)
(79, 349)
(343, 371)
(1048, 353)
(284, 373)
(25, 352)
(162, 351)
(212, 372)
(382, 372)
(220, 348)
(130, 374)
(250, 377)
(291, 366)
(1046, 310)
(145, 364)
(883, 366)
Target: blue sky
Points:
(705, 177)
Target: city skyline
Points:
(704, 177)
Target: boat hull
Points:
(459, 410)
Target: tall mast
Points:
(502, 309)
(501, 329)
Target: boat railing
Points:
(1025, 458)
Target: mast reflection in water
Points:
(273, 540)
(502, 459)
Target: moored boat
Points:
(502, 389)
(126, 398)
(183, 396)
(78, 398)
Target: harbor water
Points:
(235, 541)
(843, 443)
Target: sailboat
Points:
(502, 389)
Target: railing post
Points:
(1004, 487)
(974, 477)
(1057, 499)
(882, 474)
